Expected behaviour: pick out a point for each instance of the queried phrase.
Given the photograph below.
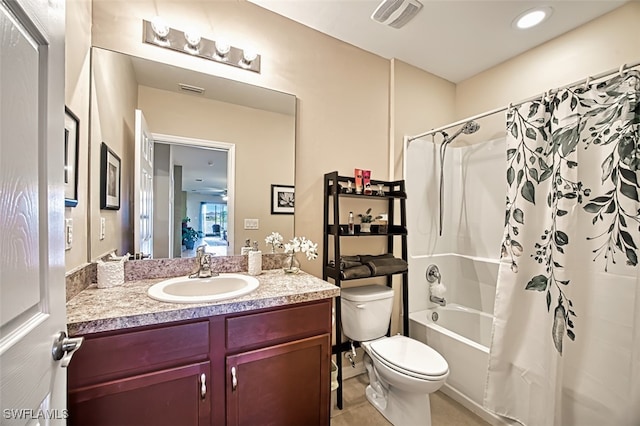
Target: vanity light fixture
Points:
(158, 33)
(532, 17)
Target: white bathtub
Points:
(462, 336)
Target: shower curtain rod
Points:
(586, 81)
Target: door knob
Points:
(64, 347)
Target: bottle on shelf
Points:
(352, 227)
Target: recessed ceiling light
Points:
(532, 17)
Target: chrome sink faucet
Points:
(203, 264)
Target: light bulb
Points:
(193, 37)
(160, 27)
(249, 55)
(222, 47)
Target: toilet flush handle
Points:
(361, 306)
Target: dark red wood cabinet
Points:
(263, 367)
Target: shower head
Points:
(468, 128)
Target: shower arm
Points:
(443, 151)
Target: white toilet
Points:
(402, 371)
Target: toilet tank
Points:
(366, 311)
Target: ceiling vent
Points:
(191, 89)
(396, 13)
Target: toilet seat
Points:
(410, 357)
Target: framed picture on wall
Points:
(71, 147)
(282, 199)
(109, 179)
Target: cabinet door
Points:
(287, 384)
(174, 396)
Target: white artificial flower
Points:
(275, 240)
(302, 244)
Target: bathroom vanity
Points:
(260, 358)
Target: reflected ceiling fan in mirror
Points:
(222, 193)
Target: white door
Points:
(143, 188)
(32, 291)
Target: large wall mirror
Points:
(199, 156)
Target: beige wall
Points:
(421, 101)
(114, 100)
(264, 143)
(77, 64)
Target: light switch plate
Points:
(68, 233)
(251, 223)
(103, 228)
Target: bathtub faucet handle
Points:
(433, 274)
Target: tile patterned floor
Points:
(358, 411)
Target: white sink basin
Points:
(199, 290)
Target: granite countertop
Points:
(96, 309)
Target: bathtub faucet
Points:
(439, 300)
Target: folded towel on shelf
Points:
(385, 266)
(346, 264)
(355, 258)
(361, 271)
(366, 258)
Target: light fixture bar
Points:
(206, 49)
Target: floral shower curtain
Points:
(566, 336)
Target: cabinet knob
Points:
(234, 379)
(203, 386)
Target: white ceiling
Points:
(204, 170)
(453, 39)
(168, 77)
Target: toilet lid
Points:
(410, 355)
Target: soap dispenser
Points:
(255, 260)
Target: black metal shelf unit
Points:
(395, 197)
